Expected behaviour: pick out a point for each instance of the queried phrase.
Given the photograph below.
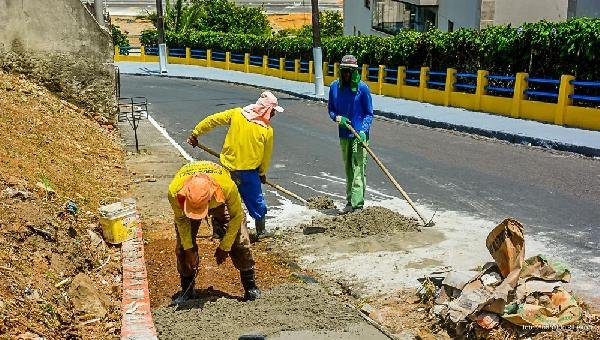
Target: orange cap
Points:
(196, 193)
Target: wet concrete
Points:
(290, 311)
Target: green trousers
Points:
(355, 162)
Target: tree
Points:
(213, 15)
(118, 37)
(331, 22)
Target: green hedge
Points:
(542, 49)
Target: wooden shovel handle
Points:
(387, 173)
(269, 183)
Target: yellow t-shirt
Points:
(232, 200)
(247, 145)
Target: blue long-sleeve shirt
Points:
(356, 106)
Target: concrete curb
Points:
(136, 322)
(505, 136)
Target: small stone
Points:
(15, 193)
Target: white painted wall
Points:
(464, 13)
(358, 18)
(516, 12)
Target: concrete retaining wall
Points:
(59, 44)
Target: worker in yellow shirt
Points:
(200, 189)
(247, 150)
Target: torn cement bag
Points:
(506, 244)
(473, 297)
(562, 310)
(541, 267)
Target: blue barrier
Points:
(273, 62)
(237, 58)
(151, 50)
(177, 52)
(304, 65)
(466, 75)
(412, 71)
(466, 86)
(289, 65)
(436, 83)
(412, 81)
(509, 78)
(256, 60)
(217, 56)
(535, 93)
(435, 73)
(543, 81)
(586, 83)
(125, 50)
(198, 54)
(469, 88)
(499, 89)
(390, 78)
(584, 98)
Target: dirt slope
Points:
(57, 279)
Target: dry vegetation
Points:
(57, 279)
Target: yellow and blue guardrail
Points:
(565, 101)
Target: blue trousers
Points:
(250, 188)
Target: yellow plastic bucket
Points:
(118, 221)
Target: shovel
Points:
(271, 184)
(392, 179)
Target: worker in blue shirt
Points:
(350, 102)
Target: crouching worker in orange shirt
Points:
(204, 188)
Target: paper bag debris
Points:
(523, 292)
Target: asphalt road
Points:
(555, 195)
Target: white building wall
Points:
(358, 18)
(517, 12)
(463, 13)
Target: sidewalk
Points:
(520, 131)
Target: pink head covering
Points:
(260, 113)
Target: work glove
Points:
(263, 179)
(343, 121)
(363, 136)
(192, 140)
(221, 255)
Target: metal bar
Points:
(544, 81)
(501, 77)
(436, 83)
(466, 86)
(466, 75)
(499, 89)
(541, 94)
(584, 97)
(586, 83)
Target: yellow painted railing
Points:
(563, 112)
